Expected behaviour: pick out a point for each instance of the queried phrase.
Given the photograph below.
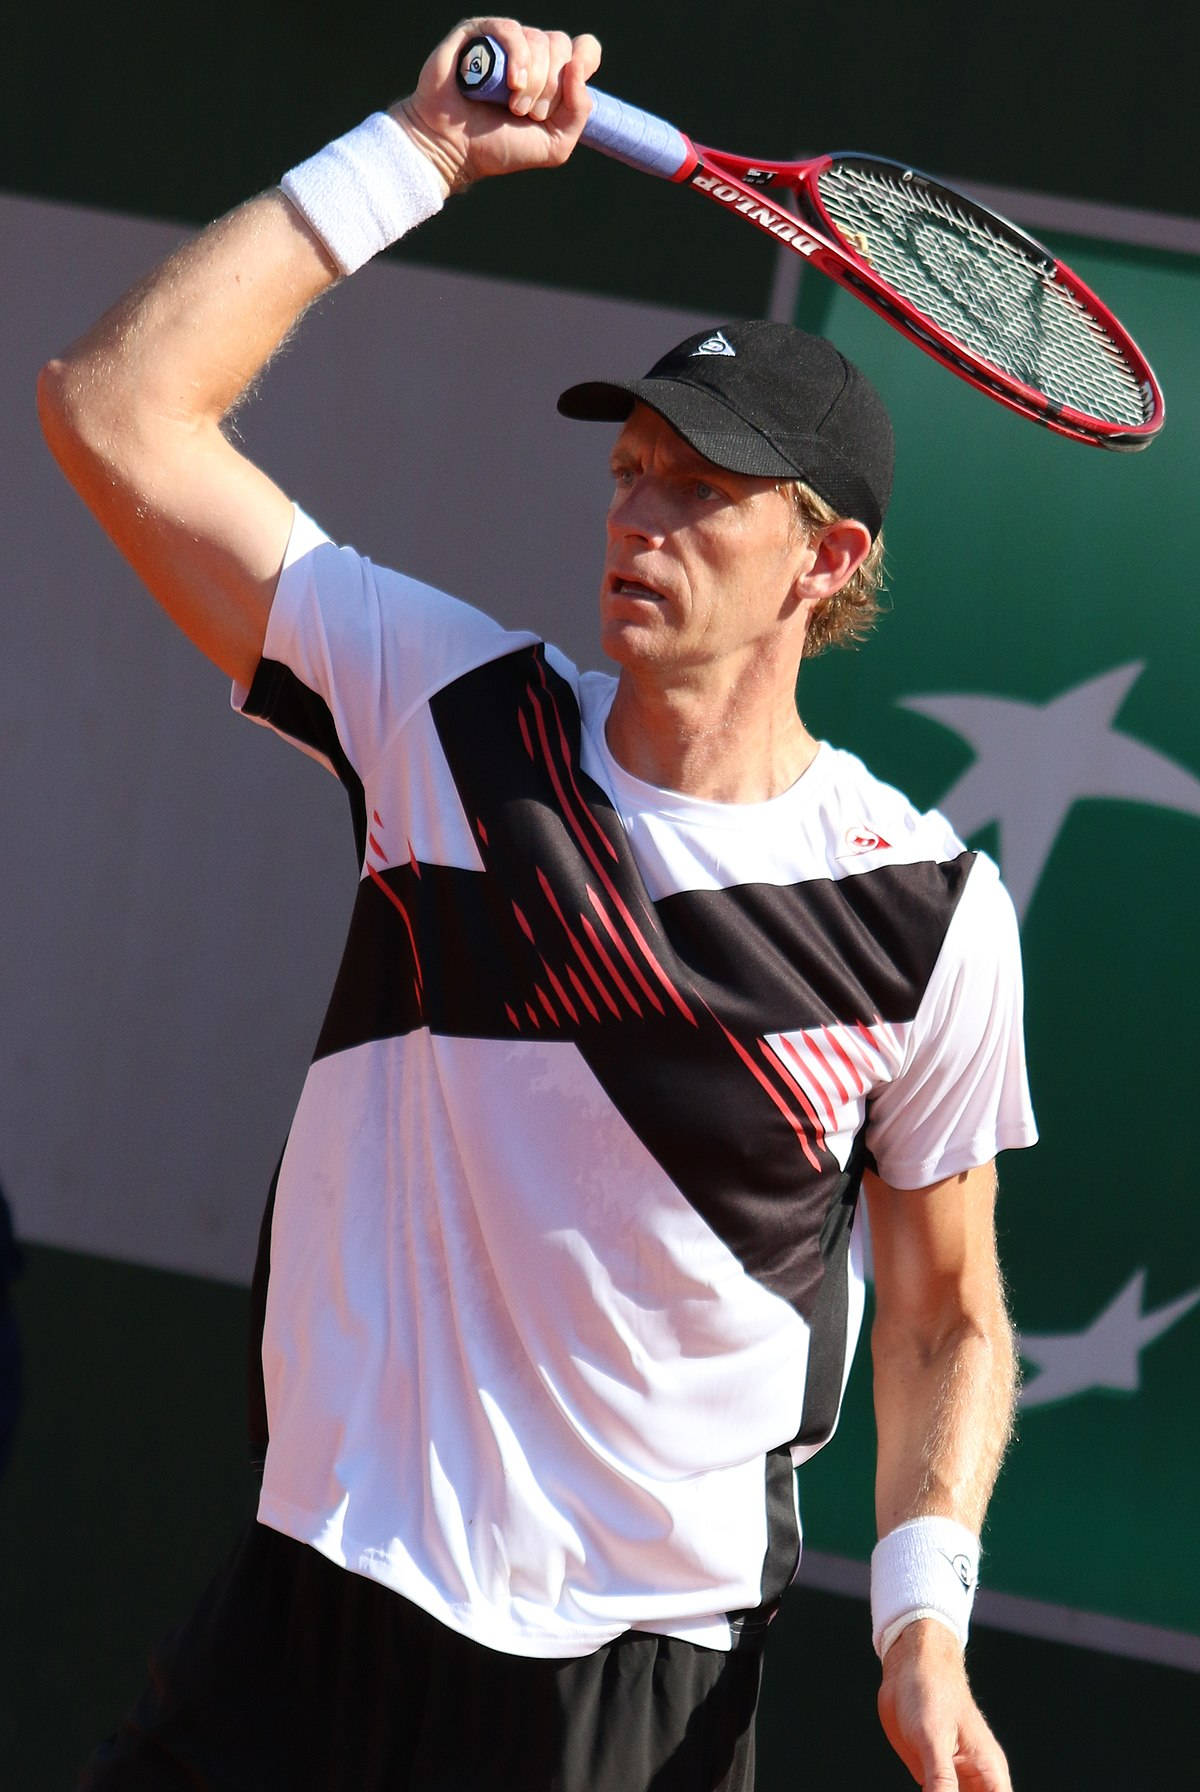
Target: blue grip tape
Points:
(630, 135)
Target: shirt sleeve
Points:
(962, 1091)
(352, 648)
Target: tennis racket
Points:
(989, 302)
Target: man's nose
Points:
(636, 509)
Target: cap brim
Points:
(702, 420)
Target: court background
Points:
(177, 885)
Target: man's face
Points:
(701, 564)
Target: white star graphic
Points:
(1034, 760)
(1105, 1354)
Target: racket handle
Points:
(615, 128)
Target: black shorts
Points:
(294, 1676)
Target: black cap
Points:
(768, 399)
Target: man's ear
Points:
(839, 550)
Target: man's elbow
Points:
(53, 399)
(948, 1325)
(68, 413)
(104, 436)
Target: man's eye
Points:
(704, 490)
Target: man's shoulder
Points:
(869, 816)
(374, 622)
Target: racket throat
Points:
(775, 220)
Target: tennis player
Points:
(562, 1271)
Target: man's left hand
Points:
(930, 1716)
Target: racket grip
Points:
(615, 128)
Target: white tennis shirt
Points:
(563, 1270)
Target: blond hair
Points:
(850, 614)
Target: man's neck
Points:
(724, 751)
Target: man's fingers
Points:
(535, 61)
(939, 1781)
(932, 1721)
(935, 1770)
(585, 54)
(576, 104)
(965, 1763)
(547, 108)
(982, 1769)
(544, 98)
(532, 63)
(556, 67)
(980, 1761)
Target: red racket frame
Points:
(721, 177)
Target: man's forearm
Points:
(944, 1409)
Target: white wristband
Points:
(927, 1568)
(365, 190)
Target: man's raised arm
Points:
(134, 410)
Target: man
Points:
(642, 983)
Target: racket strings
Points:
(983, 289)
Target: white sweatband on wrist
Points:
(365, 190)
(926, 1568)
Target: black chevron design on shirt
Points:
(670, 1002)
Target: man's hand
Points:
(547, 109)
(931, 1719)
